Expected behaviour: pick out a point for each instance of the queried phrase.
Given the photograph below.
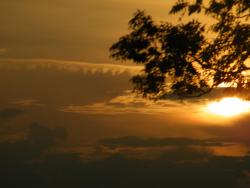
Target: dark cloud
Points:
(8, 113)
(25, 163)
(133, 141)
(38, 140)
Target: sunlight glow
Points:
(229, 107)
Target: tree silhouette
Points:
(182, 59)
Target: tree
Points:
(181, 59)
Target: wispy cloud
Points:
(129, 104)
(73, 66)
(27, 102)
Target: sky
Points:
(54, 57)
(81, 30)
(94, 101)
(68, 117)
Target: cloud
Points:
(58, 83)
(176, 112)
(27, 102)
(33, 161)
(72, 66)
(8, 113)
(127, 104)
(154, 145)
(133, 141)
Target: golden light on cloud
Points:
(229, 107)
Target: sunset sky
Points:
(54, 59)
(70, 30)
(68, 117)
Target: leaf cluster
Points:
(181, 59)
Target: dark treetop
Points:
(181, 59)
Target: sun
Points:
(228, 107)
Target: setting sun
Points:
(229, 107)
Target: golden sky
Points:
(68, 117)
(69, 30)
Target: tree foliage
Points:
(181, 58)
